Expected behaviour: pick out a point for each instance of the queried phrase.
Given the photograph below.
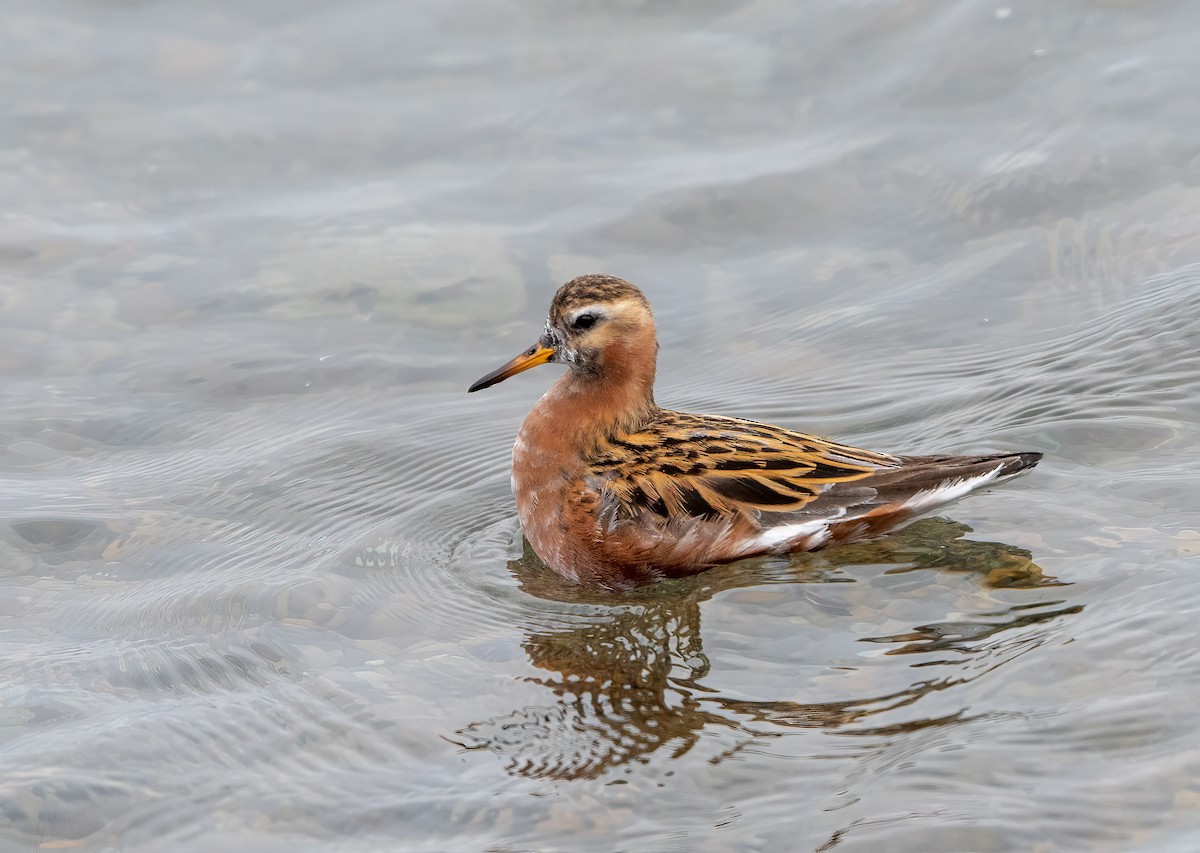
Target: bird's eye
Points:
(584, 321)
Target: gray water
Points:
(262, 583)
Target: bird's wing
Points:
(683, 466)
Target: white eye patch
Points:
(585, 318)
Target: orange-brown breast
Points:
(561, 505)
(557, 502)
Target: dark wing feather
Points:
(682, 466)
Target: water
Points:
(262, 586)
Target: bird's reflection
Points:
(630, 681)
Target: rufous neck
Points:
(618, 396)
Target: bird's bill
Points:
(537, 354)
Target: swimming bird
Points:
(614, 491)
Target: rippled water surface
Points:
(261, 581)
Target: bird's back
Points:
(685, 492)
